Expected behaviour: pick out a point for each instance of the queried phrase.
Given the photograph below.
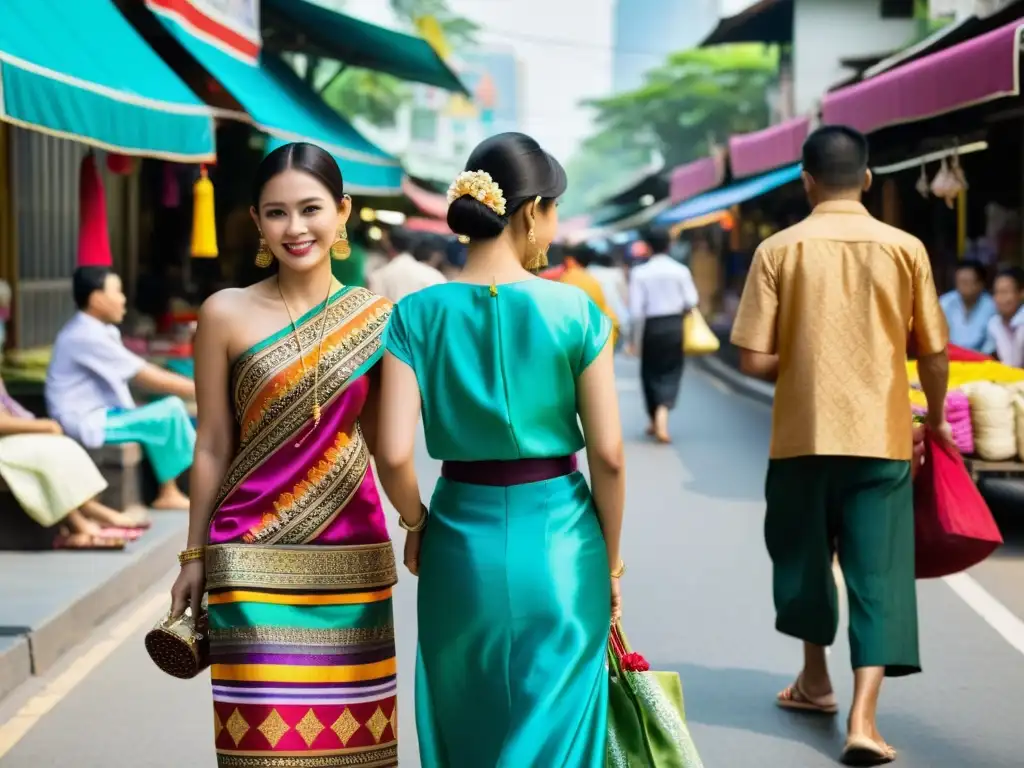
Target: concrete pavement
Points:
(697, 600)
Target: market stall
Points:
(985, 408)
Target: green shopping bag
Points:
(646, 718)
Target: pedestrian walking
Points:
(661, 292)
(518, 562)
(825, 312)
(287, 532)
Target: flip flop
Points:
(126, 534)
(794, 699)
(862, 751)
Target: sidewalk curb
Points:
(760, 391)
(67, 629)
(15, 663)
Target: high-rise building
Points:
(646, 31)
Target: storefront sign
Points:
(232, 25)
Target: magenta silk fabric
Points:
(362, 519)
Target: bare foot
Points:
(111, 518)
(171, 500)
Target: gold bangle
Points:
(619, 572)
(418, 526)
(188, 555)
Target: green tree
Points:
(695, 98)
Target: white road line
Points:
(994, 613)
(35, 708)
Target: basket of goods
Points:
(993, 420)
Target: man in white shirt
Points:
(661, 292)
(1006, 327)
(88, 394)
(404, 274)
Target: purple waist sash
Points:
(507, 473)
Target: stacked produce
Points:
(984, 407)
(993, 420)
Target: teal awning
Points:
(80, 71)
(729, 196)
(280, 104)
(298, 26)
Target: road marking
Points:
(23, 721)
(720, 385)
(993, 612)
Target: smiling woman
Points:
(287, 532)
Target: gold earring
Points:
(264, 258)
(341, 250)
(464, 239)
(531, 238)
(539, 260)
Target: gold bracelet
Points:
(619, 572)
(418, 526)
(193, 553)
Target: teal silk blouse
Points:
(497, 369)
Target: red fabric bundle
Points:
(953, 527)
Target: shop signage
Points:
(232, 25)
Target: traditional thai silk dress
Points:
(300, 567)
(514, 597)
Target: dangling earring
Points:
(539, 258)
(264, 258)
(341, 250)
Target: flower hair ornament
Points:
(480, 186)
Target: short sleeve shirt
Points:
(89, 375)
(835, 297)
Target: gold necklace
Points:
(320, 350)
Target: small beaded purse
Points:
(180, 646)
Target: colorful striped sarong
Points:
(302, 652)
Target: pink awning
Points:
(430, 226)
(973, 72)
(696, 178)
(431, 203)
(760, 151)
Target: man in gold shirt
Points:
(825, 313)
(575, 274)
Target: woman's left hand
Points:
(412, 551)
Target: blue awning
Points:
(280, 104)
(80, 71)
(725, 197)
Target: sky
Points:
(565, 49)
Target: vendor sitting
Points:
(87, 387)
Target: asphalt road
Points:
(697, 600)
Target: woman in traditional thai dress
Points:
(287, 533)
(518, 561)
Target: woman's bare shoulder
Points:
(231, 303)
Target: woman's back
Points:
(497, 366)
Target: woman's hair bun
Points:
(522, 171)
(468, 216)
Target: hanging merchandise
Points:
(120, 165)
(957, 170)
(204, 223)
(170, 189)
(923, 188)
(944, 185)
(93, 233)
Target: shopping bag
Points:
(953, 527)
(698, 339)
(646, 719)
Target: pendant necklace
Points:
(302, 358)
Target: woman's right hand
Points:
(188, 588)
(616, 600)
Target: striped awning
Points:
(78, 70)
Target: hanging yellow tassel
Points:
(204, 223)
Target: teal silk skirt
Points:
(514, 615)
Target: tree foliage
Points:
(695, 98)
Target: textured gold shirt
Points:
(835, 296)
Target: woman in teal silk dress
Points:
(516, 556)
